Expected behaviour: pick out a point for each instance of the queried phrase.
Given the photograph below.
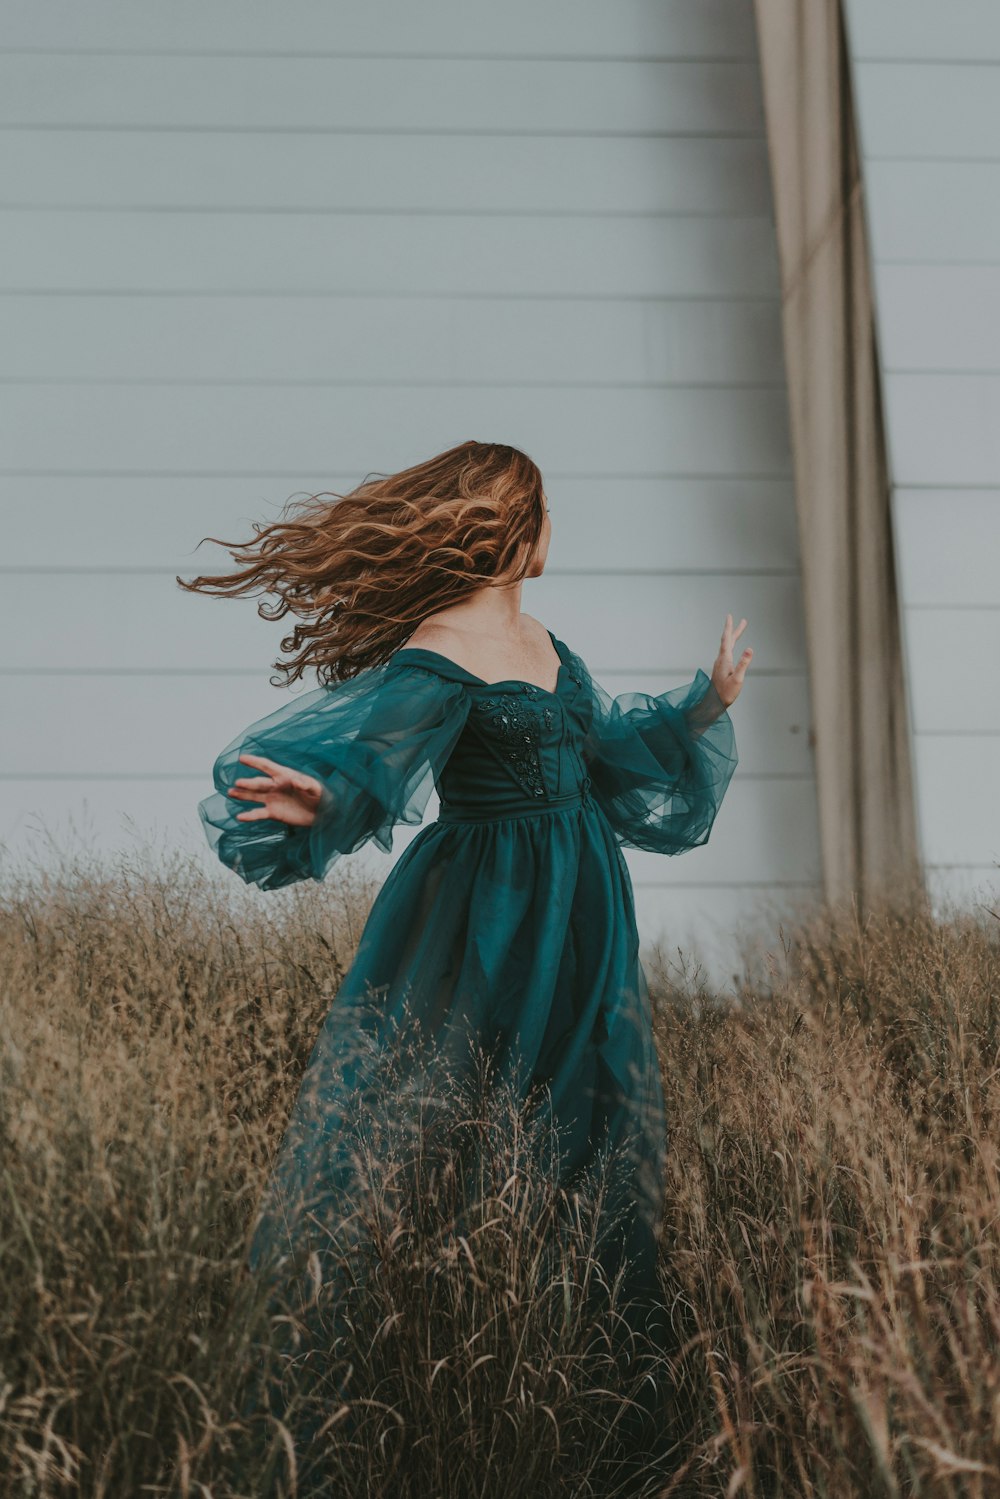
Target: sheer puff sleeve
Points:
(659, 766)
(375, 742)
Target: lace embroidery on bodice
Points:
(513, 724)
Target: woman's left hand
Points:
(726, 678)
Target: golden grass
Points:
(831, 1246)
(829, 1255)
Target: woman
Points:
(508, 921)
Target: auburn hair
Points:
(362, 570)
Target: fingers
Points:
(729, 635)
(281, 775)
(261, 762)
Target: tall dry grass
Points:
(831, 1253)
(153, 1032)
(829, 1260)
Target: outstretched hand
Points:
(288, 795)
(726, 678)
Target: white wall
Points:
(252, 251)
(927, 85)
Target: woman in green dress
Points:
(509, 920)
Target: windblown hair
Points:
(361, 572)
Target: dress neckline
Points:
(423, 650)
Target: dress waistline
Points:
(578, 798)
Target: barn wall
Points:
(252, 252)
(927, 85)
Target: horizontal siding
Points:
(960, 825)
(964, 120)
(925, 30)
(138, 620)
(515, 340)
(956, 701)
(447, 28)
(251, 257)
(927, 212)
(248, 253)
(963, 571)
(399, 173)
(698, 523)
(381, 93)
(132, 427)
(927, 80)
(959, 317)
(944, 428)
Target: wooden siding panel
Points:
(251, 255)
(929, 118)
(520, 28)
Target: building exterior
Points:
(253, 253)
(926, 83)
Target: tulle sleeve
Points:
(376, 743)
(659, 766)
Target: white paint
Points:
(927, 79)
(247, 257)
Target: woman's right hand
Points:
(288, 795)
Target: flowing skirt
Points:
(512, 939)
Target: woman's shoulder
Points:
(427, 636)
(440, 635)
(542, 632)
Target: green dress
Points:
(509, 920)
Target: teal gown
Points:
(507, 921)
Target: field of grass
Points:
(829, 1255)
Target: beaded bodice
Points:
(513, 723)
(520, 748)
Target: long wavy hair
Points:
(363, 570)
